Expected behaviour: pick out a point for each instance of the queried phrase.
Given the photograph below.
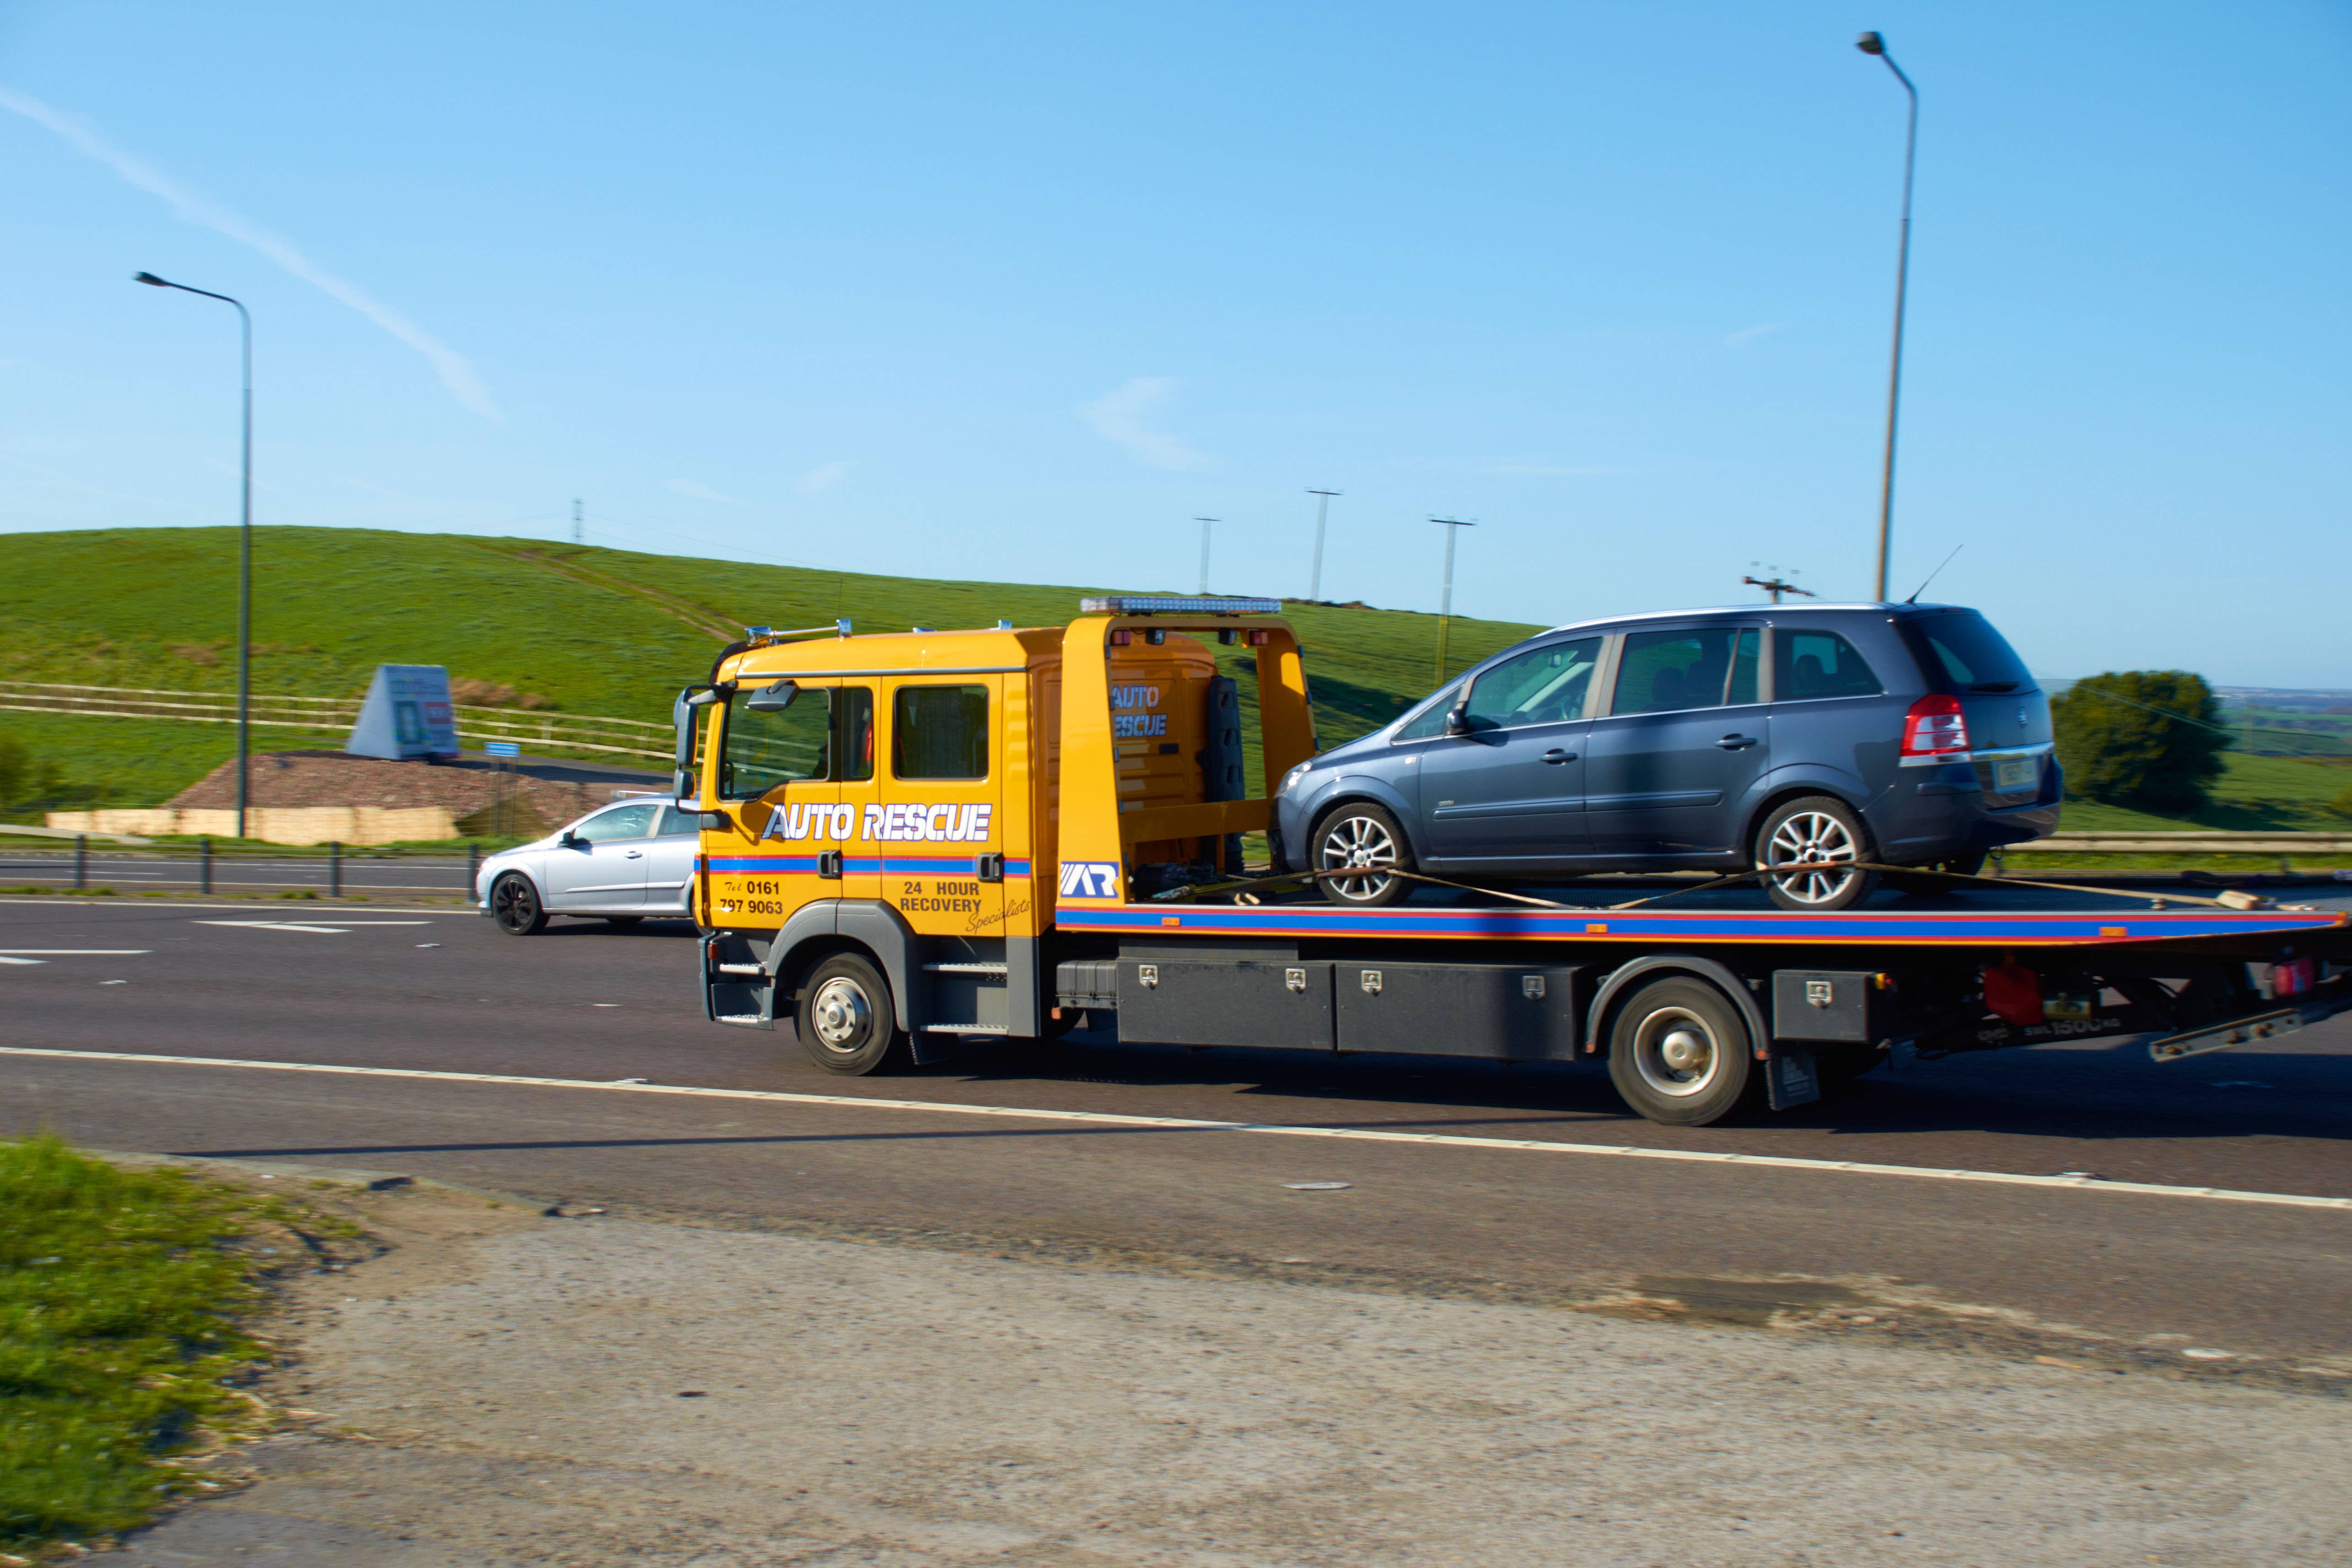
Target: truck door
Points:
(935, 814)
(1512, 789)
(777, 775)
(1671, 763)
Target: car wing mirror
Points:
(569, 839)
(772, 699)
(1457, 721)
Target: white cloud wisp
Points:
(457, 374)
(1118, 417)
(700, 492)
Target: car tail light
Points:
(1935, 727)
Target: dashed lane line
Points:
(1184, 1123)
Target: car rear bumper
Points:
(1947, 814)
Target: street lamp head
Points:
(1871, 44)
(149, 279)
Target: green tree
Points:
(2150, 740)
(24, 782)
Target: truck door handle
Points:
(1556, 755)
(1735, 742)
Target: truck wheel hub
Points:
(841, 1013)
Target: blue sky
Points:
(1018, 292)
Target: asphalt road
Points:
(440, 990)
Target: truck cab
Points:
(889, 823)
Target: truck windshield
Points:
(1974, 656)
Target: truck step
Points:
(744, 969)
(966, 1028)
(976, 968)
(743, 1020)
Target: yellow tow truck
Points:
(912, 838)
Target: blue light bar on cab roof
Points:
(1138, 605)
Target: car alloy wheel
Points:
(1823, 836)
(1365, 841)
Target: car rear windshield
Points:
(1974, 656)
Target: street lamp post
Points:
(1873, 44)
(243, 544)
(1204, 523)
(1453, 526)
(1322, 513)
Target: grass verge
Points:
(122, 1295)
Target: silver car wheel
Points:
(842, 1014)
(1812, 839)
(1676, 1052)
(1350, 841)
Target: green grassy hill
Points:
(594, 630)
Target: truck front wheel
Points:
(1679, 1053)
(844, 1019)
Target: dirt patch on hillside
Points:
(538, 796)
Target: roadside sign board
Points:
(406, 714)
(502, 748)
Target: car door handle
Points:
(1735, 742)
(1556, 755)
(636, 854)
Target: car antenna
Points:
(1934, 574)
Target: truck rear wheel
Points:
(1359, 835)
(1679, 1053)
(844, 1019)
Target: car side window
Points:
(622, 822)
(1667, 672)
(675, 824)
(938, 732)
(1542, 686)
(1818, 665)
(1430, 720)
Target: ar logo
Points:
(1090, 879)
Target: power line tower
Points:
(579, 525)
(1322, 512)
(1204, 523)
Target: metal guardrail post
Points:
(81, 862)
(334, 868)
(204, 867)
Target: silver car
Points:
(620, 864)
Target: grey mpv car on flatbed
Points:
(1906, 735)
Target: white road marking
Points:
(1191, 1125)
(23, 960)
(81, 952)
(341, 929)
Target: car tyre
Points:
(1817, 830)
(845, 1019)
(515, 905)
(1679, 1053)
(1359, 833)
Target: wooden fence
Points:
(545, 730)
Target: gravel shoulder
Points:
(500, 1388)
